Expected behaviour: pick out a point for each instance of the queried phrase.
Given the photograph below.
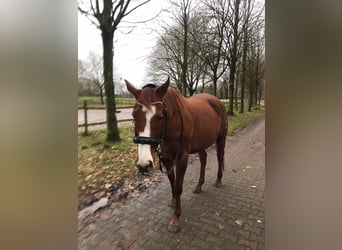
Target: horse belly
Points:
(204, 135)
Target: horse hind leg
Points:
(203, 160)
(220, 145)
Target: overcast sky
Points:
(131, 50)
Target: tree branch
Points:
(145, 2)
(87, 15)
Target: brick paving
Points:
(231, 217)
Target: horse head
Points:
(149, 115)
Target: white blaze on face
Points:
(144, 150)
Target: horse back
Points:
(209, 121)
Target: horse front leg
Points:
(181, 164)
(171, 176)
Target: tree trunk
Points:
(101, 95)
(256, 93)
(256, 96)
(112, 126)
(225, 85)
(214, 83)
(257, 82)
(233, 58)
(250, 101)
(260, 94)
(236, 90)
(231, 99)
(243, 76)
(231, 88)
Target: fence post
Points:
(85, 118)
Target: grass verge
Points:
(102, 164)
(238, 121)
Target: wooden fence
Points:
(86, 124)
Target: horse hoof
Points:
(173, 228)
(197, 190)
(218, 184)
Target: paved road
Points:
(231, 217)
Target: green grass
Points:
(95, 101)
(238, 121)
(101, 163)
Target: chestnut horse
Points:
(174, 126)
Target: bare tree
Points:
(213, 47)
(107, 16)
(255, 68)
(176, 53)
(95, 73)
(165, 59)
(233, 40)
(85, 84)
(81, 69)
(252, 17)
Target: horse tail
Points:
(217, 105)
(224, 128)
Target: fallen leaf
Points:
(88, 177)
(238, 222)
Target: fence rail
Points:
(96, 103)
(86, 124)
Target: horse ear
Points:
(162, 89)
(132, 89)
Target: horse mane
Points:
(176, 98)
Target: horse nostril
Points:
(144, 169)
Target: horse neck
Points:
(175, 102)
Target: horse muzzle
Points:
(145, 158)
(144, 169)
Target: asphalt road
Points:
(231, 217)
